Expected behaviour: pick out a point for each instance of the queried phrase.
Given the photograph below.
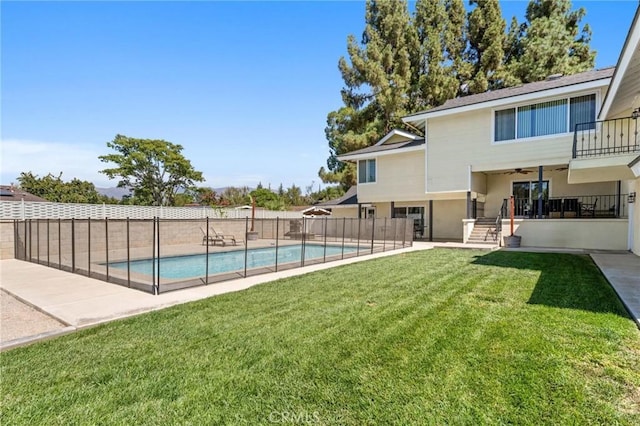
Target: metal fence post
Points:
(358, 246)
(48, 244)
(106, 245)
(246, 244)
(73, 245)
(206, 269)
(384, 236)
(38, 241)
(158, 241)
(128, 256)
(153, 263)
(344, 225)
(277, 238)
(89, 246)
(324, 253)
(373, 232)
(304, 239)
(59, 243)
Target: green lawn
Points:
(462, 337)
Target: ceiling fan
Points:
(519, 171)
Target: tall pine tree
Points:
(433, 79)
(551, 42)
(377, 79)
(486, 46)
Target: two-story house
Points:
(565, 148)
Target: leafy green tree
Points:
(487, 40)
(206, 197)
(234, 196)
(154, 169)
(183, 198)
(550, 42)
(53, 188)
(293, 196)
(325, 194)
(264, 196)
(377, 78)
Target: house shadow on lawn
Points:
(566, 280)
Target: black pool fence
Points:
(158, 255)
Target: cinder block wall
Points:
(6, 240)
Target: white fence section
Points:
(44, 210)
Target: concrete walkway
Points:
(78, 301)
(623, 272)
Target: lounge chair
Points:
(211, 238)
(223, 237)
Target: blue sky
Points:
(244, 87)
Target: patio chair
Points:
(211, 239)
(589, 209)
(223, 237)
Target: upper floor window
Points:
(366, 171)
(545, 118)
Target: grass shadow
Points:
(567, 281)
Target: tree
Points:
(154, 169)
(53, 188)
(206, 197)
(264, 196)
(486, 46)
(550, 42)
(377, 79)
(233, 196)
(433, 79)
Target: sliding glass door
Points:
(525, 194)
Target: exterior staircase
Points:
(484, 231)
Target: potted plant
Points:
(512, 240)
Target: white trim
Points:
(398, 132)
(597, 93)
(625, 58)
(557, 92)
(376, 154)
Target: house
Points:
(11, 193)
(345, 206)
(565, 148)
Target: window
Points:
(366, 171)
(545, 118)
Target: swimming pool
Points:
(191, 266)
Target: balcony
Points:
(605, 138)
(570, 206)
(602, 150)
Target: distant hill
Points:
(118, 193)
(115, 192)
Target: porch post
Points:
(540, 192)
(359, 211)
(468, 204)
(393, 208)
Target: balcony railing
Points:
(570, 206)
(609, 137)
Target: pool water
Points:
(191, 266)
